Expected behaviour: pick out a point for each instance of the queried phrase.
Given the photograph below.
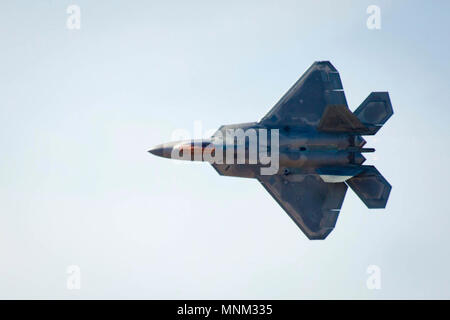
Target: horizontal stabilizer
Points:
(375, 111)
(371, 187)
(338, 118)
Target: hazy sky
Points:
(80, 108)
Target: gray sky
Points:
(79, 109)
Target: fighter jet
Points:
(313, 155)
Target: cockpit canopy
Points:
(193, 148)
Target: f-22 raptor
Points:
(316, 150)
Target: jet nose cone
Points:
(157, 150)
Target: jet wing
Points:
(313, 204)
(304, 103)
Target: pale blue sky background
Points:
(79, 109)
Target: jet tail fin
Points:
(375, 111)
(371, 187)
(366, 120)
(339, 118)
